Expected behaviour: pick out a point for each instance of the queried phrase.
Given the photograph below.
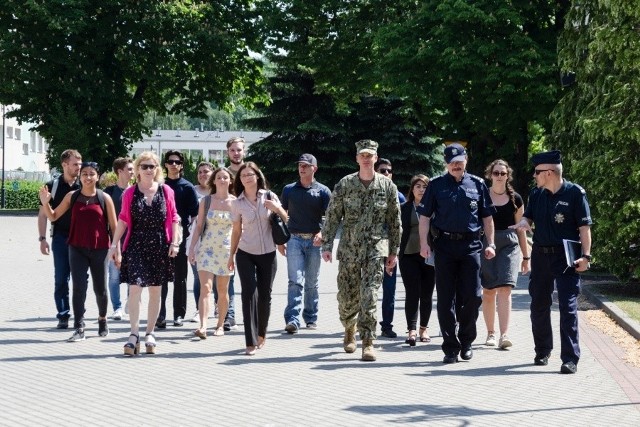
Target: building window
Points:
(9, 132)
(40, 144)
(25, 149)
(18, 133)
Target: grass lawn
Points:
(624, 295)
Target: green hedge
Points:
(22, 194)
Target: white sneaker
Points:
(491, 339)
(505, 342)
(196, 317)
(117, 315)
(78, 335)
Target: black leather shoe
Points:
(388, 333)
(466, 354)
(568, 368)
(540, 360)
(450, 358)
(161, 324)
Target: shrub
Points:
(22, 194)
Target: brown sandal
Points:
(424, 337)
(201, 333)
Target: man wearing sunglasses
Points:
(187, 206)
(456, 209)
(560, 211)
(383, 167)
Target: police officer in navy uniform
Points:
(455, 209)
(560, 211)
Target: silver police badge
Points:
(473, 205)
(559, 218)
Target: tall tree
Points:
(480, 71)
(86, 71)
(303, 121)
(597, 124)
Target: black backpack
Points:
(100, 195)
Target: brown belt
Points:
(305, 236)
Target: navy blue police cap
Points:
(547, 158)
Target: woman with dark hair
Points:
(500, 274)
(213, 234)
(254, 249)
(88, 243)
(417, 275)
(151, 221)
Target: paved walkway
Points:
(305, 379)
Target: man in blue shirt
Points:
(560, 211)
(455, 209)
(305, 201)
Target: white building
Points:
(211, 145)
(23, 151)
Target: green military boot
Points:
(350, 339)
(368, 354)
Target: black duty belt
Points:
(460, 236)
(550, 249)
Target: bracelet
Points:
(175, 245)
(113, 246)
(526, 258)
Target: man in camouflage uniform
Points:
(365, 203)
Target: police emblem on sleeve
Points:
(559, 218)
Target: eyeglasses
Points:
(89, 165)
(385, 171)
(247, 175)
(174, 162)
(496, 173)
(146, 167)
(539, 171)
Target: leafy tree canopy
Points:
(597, 124)
(87, 71)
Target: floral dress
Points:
(146, 260)
(215, 246)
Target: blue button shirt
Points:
(305, 206)
(558, 216)
(456, 207)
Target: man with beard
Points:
(455, 209)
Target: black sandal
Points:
(131, 349)
(150, 345)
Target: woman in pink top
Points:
(153, 237)
(254, 249)
(88, 244)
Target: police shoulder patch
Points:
(580, 188)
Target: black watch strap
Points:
(587, 257)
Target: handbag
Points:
(279, 230)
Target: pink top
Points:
(172, 213)
(256, 236)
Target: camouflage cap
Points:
(367, 146)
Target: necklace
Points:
(498, 194)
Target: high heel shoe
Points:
(424, 337)
(132, 348)
(250, 350)
(261, 342)
(150, 343)
(411, 339)
(201, 333)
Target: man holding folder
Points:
(559, 210)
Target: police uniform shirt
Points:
(305, 206)
(558, 216)
(62, 224)
(456, 207)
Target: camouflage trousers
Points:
(358, 285)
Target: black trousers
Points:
(256, 278)
(457, 265)
(419, 281)
(82, 260)
(179, 286)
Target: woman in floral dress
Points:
(214, 236)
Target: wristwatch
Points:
(41, 238)
(587, 257)
(492, 246)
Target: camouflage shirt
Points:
(370, 219)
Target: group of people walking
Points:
(452, 233)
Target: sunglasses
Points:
(385, 171)
(496, 173)
(174, 162)
(146, 167)
(539, 171)
(247, 175)
(89, 165)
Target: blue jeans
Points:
(303, 267)
(114, 286)
(388, 299)
(62, 273)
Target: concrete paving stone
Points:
(302, 379)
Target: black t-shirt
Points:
(62, 224)
(505, 215)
